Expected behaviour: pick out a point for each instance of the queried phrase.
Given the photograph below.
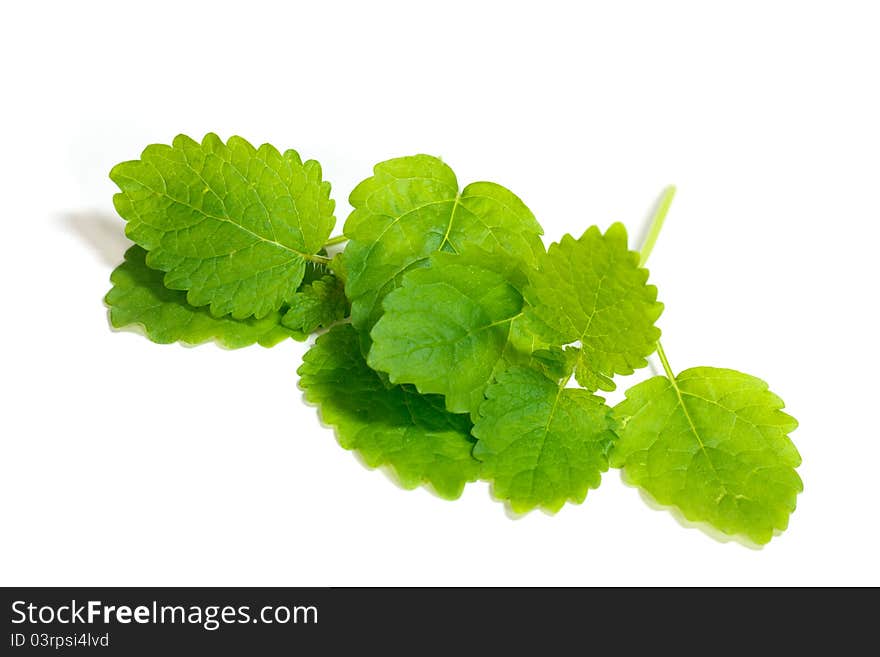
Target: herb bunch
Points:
(453, 346)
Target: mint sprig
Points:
(465, 335)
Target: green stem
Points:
(666, 368)
(338, 239)
(318, 259)
(322, 260)
(657, 223)
(648, 246)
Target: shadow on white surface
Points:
(104, 232)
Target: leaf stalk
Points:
(653, 233)
(336, 239)
(656, 224)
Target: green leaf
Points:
(232, 224)
(592, 291)
(138, 297)
(556, 363)
(410, 208)
(388, 426)
(713, 443)
(317, 305)
(540, 443)
(447, 327)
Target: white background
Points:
(125, 462)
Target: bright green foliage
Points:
(393, 426)
(714, 443)
(464, 332)
(542, 444)
(317, 305)
(592, 291)
(232, 224)
(138, 297)
(446, 328)
(556, 363)
(410, 208)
